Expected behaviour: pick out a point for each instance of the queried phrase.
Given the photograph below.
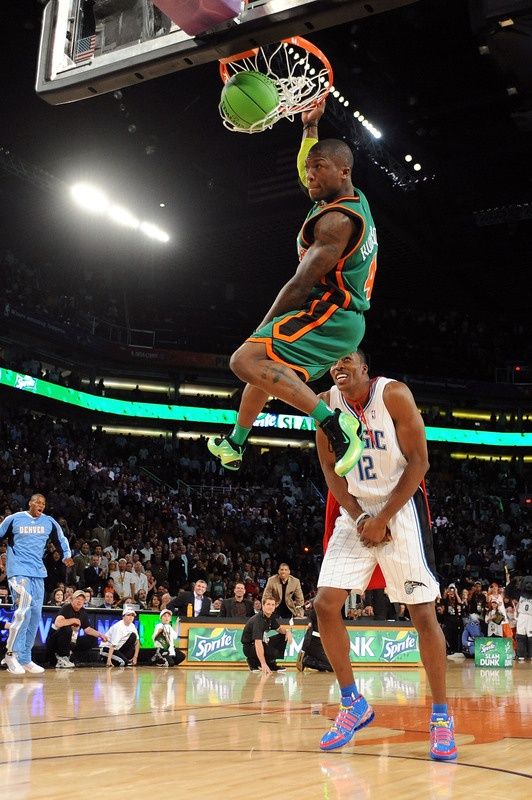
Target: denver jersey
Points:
(27, 537)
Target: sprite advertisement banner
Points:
(379, 646)
(494, 652)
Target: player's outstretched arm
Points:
(309, 138)
(332, 234)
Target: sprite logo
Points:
(393, 648)
(25, 382)
(487, 648)
(221, 639)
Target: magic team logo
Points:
(393, 649)
(218, 646)
(411, 585)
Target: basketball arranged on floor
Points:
(247, 98)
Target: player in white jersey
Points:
(524, 619)
(27, 534)
(384, 520)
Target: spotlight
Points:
(89, 197)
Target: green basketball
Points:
(248, 97)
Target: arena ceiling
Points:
(458, 237)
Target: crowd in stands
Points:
(165, 509)
(442, 342)
(146, 517)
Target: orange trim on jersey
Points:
(310, 327)
(341, 263)
(267, 342)
(333, 207)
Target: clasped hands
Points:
(371, 531)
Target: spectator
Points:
(164, 638)
(477, 601)
(81, 561)
(123, 580)
(140, 599)
(123, 644)
(56, 571)
(110, 598)
(196, 599)
(216, 586)
(524, 619)
(377, 604)
(57, 598)
(69, 592)
(495, 617)
(237, 606)
(139, 577)
(94, 576)
(261, 651)
(453, 620)
(63, 639)
(3, 571)
(287, 593)
(216, 606)
(312, 655)
(5, 599)
(155, 603)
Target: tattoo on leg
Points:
(277, 372)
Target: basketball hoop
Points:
(301, 72)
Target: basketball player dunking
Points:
(318, 316)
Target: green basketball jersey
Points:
(349, 284)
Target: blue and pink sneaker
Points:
(349, 720)
(442, 744)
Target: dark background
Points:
(415, 72)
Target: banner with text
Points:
(379, 646)
(494, 652)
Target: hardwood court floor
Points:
(222, 733)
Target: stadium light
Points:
(90, 198)
(94, 200)
(123, 217)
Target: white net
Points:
(301, 73)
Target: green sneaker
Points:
(343, 432)
(229, 453)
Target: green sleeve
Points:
(306, 144)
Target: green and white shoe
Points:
(229, 453)
(344, 433)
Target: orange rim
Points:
(298, 41)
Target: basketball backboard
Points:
(90, 47)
